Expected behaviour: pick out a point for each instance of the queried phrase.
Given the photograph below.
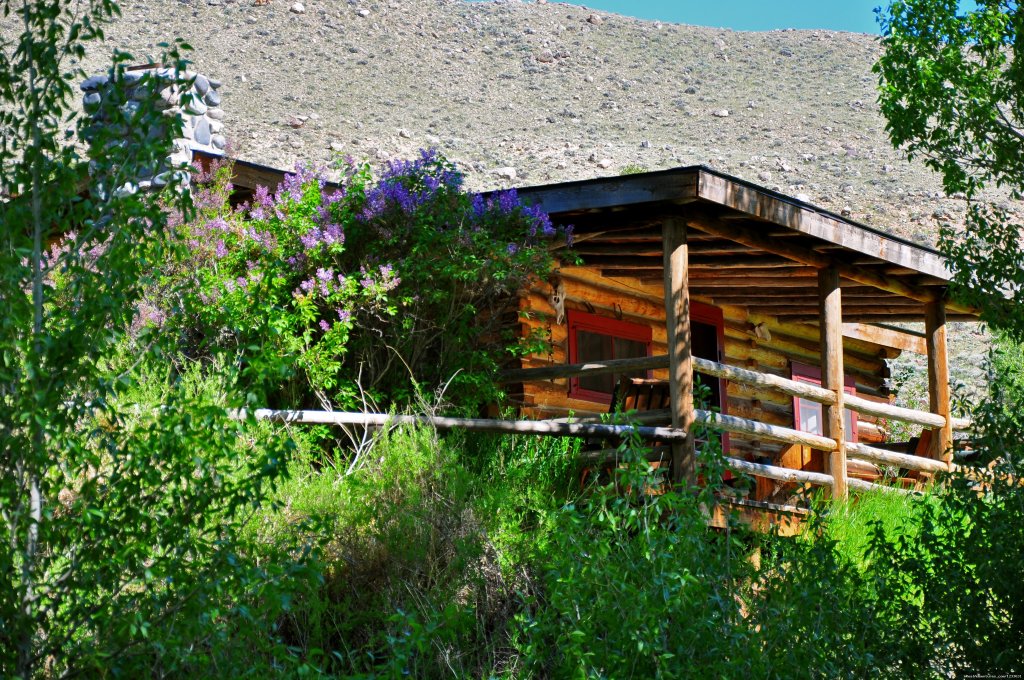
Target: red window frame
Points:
(812, 374)
(713, 316)
(699, 312)
(601, 325)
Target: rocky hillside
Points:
(529, 93)
(538, 92)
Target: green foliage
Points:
(633, 169)
(950, 90)
(387, 289)
(640, 572)
(122, 482)
(410, 584)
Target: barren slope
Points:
(552, 91)
(539, 88)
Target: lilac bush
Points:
(403, 282)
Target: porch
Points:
(693, 236)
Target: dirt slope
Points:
(552, 91)
(527, 93)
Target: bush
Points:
(399, 287)
(411, 584)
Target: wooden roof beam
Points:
(876, 316)
(809, 221)
(756, 239)
(798, 302)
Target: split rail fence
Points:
(743, 426)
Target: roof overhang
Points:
(739, 231)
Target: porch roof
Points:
(748, 245)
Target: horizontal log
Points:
(861, 485)
(737, 262)
(540, 427)
(591, 368)
(778, 473)
(763, 431)
(903, 460)
(873, 317)
(909, 415)
(713, 368)
(785, 385)
(890, 337)
(962, 424)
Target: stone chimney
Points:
(193, 97)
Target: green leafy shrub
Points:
(397, 286)
(633, 583)
(411, 584)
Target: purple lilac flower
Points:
(478, 206)
(218, 224)
(367, 280)
(292, 184)
(512, 248)
(333, 197)
(263, 197)
(333, 234)
(507, 201)
(221, 249)
(324, 274)
(324, 326)
(344, 315)
(307, 285)
(540, 221)
(311, 239)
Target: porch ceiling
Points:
(748, 246)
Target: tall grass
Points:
(851, 524)
(486, 556)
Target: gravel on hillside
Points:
(534, 92)
(529, 93)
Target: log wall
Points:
(752, 340)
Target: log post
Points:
(832, 374)
(677, 325)
(938, 379)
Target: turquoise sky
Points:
(752, 15)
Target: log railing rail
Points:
(763, 431)
(568, 427)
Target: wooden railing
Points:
(725, 423)
(765, 432)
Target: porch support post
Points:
(831, 326)
(680, 364)
(938, 378)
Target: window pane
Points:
(810, 417)
(595, 347)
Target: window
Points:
(809, 414)
(598, 338)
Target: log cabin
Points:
(696, 264)
(781, 310)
